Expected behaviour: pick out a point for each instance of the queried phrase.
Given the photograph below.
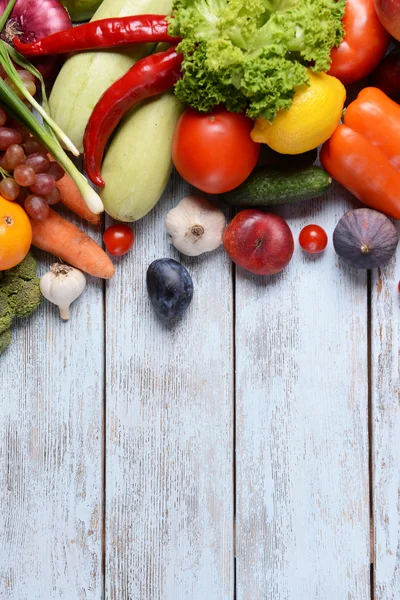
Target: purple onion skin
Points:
(36, 19)
(32, 20)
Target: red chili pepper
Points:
(149, 77)
(105, 33)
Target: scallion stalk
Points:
(17, 110)
(23, 62)
(12, 73)
(6, 13)
(47, 133)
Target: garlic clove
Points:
(61, 286)
(195, 226)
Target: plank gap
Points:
(234, 425)
(104, 441)
(372, 581)
(104, 432)
(370, 435)
(232, 213)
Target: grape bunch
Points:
(28, 175)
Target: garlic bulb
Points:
(62, 285)
(195, 226)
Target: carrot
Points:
(66, 241)
(72, 199)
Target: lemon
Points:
(312, 118)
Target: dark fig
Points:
(170, 287)
(365, 238)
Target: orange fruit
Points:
(15, 234)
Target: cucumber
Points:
(268, 186)
(138, 163)
(86, 75)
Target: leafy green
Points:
(252, 54)
(5, 339)
(20, 296)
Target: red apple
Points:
(260, 242)
(389, 15)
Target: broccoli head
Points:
(19, 296)
(27, 298)
(24, 270)
(5, 313)
(5, 340)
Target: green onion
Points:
(6, 13)
(47, 133)
(17, 110)
(12, 73)
(20, 60)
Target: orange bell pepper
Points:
(364, 153)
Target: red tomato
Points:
(364, 44)
(118, 239)
(214, 151)
(313, 239)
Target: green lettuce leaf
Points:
(252, 54)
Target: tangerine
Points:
(15, 234)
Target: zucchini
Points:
(138, 163)
(86, 75)
(268, 186)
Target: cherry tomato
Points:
(313, 239)
(214, 151)
(118, 239)
(364, 45)
(398, 287)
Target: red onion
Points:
(31, 20)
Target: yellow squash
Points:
(311, 120)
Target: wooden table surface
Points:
(250, 451)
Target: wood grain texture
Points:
(302, 435)
(169, 442)
(51, 488)
(386, 428)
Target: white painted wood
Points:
(302, 415)
(169, 429)
(386, 428)
(51, 488)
